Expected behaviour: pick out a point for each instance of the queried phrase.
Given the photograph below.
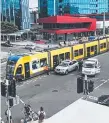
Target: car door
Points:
(75, 64)
(71, 66)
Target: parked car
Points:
(30, 46)
(103, 100)
(6, 44)
(66, 66)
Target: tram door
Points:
(88, 51)
(95, 49)
(27, 70)
(55, 61)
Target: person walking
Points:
(80, 65)
(41, 114)
(47, 69)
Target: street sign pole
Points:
(85, 87)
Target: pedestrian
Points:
(47, 70)
(64, 43)
(10, 53)
(30, 49)
(41, 114)
(80, 65)
(8, 115)
(1, 121)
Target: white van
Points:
(91, 67)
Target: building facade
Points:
(16, 12)
(65, 28)
(33, 16)
(60, 7)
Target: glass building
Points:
(16, 12)
(60, 7)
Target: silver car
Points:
(66, 66)
(30, 46)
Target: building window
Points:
(43, 62)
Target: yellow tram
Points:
(28, 65)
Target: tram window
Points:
(61, 56)
(92, 48)
(76, 53)
(80, 51)
(35, 65)
(43, 62)
(67, 55)
(101, 46)
(104, 45)
(19, 69)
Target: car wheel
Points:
(66, 72)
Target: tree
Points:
(7, 27)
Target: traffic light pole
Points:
(85, 87)
(7, 83)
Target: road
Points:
(55, 92)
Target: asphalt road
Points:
(14, 49)
(55, 92)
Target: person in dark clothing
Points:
(41, 114)
(80, 65)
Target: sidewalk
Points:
(3, 56)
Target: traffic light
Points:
(3, 89)
(12, 89)
(79, 85)
(90, 86)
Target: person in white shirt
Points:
(41, 114)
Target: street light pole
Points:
(104, 24)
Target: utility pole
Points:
(104, 24)
(7, 83)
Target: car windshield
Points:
(88, 65)
(63, 64)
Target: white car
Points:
(30, 46)
(66, 66)
(91, 67)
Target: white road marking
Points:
(93, 98)
(101, 84)
(21, 101)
